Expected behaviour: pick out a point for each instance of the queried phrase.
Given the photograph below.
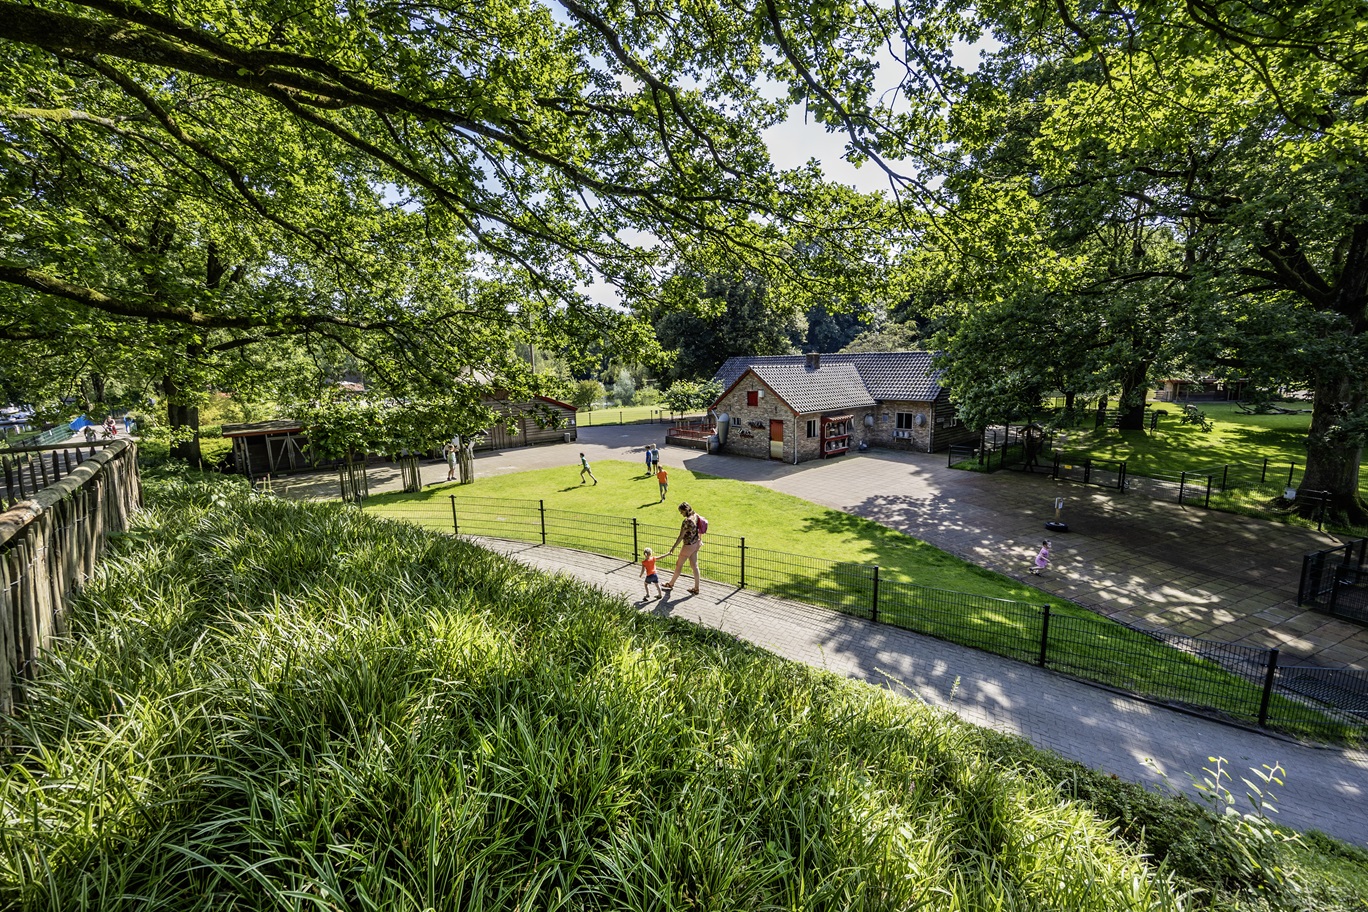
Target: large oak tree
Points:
(421, 187)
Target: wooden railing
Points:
(27, 470)
(49, 543)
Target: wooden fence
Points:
(48, 547)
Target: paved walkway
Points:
(1325, 788)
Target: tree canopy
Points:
(415, 189)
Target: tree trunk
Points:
(184, 423)
(1332, 460)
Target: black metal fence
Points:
(1084, 469)
(1335, 581)
(1242, 683)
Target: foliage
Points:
(1224, 143)
(343, 427)
(587, 393)
(223, 197)
(691, 396)
(889, 337)
(624, 388)
(257, 685)
(646, 395)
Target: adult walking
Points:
(691, 537)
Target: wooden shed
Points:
(528, 423)
(268, 447)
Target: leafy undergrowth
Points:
(272, 705)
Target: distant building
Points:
(519, 425)
(1206, 389)
(801, 407)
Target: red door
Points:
(776, 439)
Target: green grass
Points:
(266, 705)
(631, 414)
(813, 554)
(1235, 438)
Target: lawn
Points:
(809, 553)
(1235, 439)
(631, 414)
(268, 705)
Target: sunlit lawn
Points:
(630, 414)
(766, 519)
(1235, 438)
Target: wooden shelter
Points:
(268, 447)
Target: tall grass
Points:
(267, 705)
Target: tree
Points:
(1239, 130)
(624, 387)
(587, 393)
(733, 317)
(691, 396)
(415, 189)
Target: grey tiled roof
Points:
(832, 386)
(884, 376)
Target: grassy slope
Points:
(1084, 643)
(268, 705)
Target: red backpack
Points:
(702, 524)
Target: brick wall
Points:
(745, 440)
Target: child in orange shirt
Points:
(664, 479)
(648, 570)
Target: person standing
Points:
(655, 456)
(449, 451)
(691, 539)
(650, 458)
(648, 570)
(1042, 559)
(663, 479)
(585, 470)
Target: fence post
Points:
(1044, 636)
(1206, 504)
(1268, 687)
(743, 562)
(1055, 472)
(1182, 484)
(874, 613)
(1121, 483)
(455, 525)
(541, 509)
(1291, 468)
(1263, 476)
(1225, 475)
(636, 552)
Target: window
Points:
(812, 427)
(905, 420)
(752, 397)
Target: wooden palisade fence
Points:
(48, 546)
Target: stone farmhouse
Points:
(800, 407)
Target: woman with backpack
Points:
(691, 535)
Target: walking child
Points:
(649, 458)
(648, 570)
(1042, 559)
(663, 478)
(584, 470)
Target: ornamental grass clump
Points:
(266, 705)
